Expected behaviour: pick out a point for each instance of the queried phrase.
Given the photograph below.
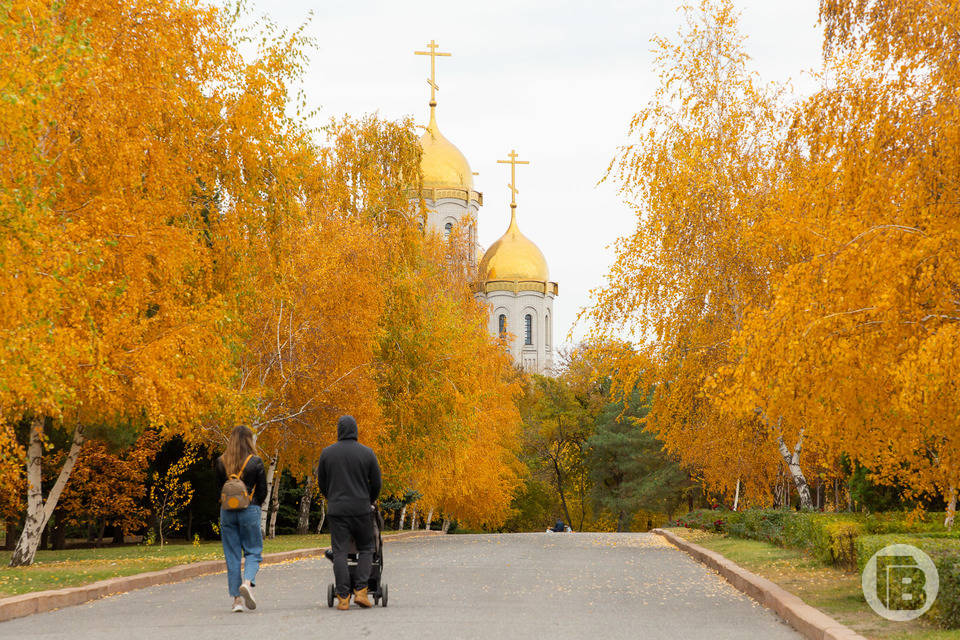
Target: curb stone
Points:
(809, 621)
(43, 601)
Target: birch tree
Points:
(116, 265)
(699, 171)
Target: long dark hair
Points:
(239, 446)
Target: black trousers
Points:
(360, 530)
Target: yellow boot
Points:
(343, 602)
(360, 597)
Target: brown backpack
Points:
(234, 495)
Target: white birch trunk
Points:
(446, 525)
(265, 507)
(274, 504)
(403, 517)
(323, 514)
(413, 520)
(792, 460)
(38, 511)
(429, 519)
(793, 465)
(303, 524)
(951, 508)
(736, 496)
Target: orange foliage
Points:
(447, 389)
(794, 271)
(700, 173)
(861, 332)
(132, 133)
(107, 486)
(178, 251)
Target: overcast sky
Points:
(557, 81)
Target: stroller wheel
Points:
(330, 594)
(383, 595)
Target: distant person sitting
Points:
(559, 527)
(348, 476)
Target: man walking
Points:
(348, 475)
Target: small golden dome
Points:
(444, 167)
(514, 257)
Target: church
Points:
(512, 275)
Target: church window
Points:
(546, 329)
(528, 329)
(447, 229)
(503, 325)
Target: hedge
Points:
(847, 540)
(945, 553)
(826, 536)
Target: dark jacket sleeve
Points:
(260, 491)
(373, 477)
(322, 477)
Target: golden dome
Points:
(444, 167)
(514, 257)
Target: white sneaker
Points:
(246, 590)
(237, 605)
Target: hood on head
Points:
(346, 428)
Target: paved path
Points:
(608, 586)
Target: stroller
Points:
(376, 588)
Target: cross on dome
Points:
(432, 81)
(513, 162)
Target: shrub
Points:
(701, 519)
(835, 543)
(765, 525)
(946, 609)
(945, 553)
(828, 537)
(848, 540)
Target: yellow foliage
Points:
(792, 284)
(170, 494)
(177, 250)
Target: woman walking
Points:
(243, 487)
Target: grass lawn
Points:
(831, 590)
(75, 567)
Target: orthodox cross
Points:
(513, 162)
(433, 53)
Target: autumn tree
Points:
(791, 288)
(862, 327)
(448, 390)
(308, 355)
(128, 148)
(108, 485)
(181, 253)
(699, 171)
(170, 493)
(556, 429)
(444, 391)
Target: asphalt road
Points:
(499, 587)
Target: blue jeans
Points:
(240, 533)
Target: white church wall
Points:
(537, 357)
(515, 305)
(455, 211)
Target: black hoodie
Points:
(348, 473)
